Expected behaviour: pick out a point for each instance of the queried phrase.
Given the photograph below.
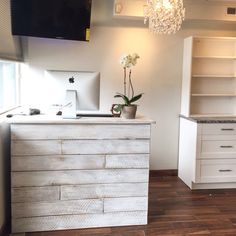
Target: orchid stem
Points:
(124, 81)
(130, 84)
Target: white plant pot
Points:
(129, 112)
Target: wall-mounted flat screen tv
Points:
(62, 19)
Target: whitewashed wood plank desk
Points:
(71, 174)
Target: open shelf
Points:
(209, 77)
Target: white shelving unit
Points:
(207, 146)
(209, 77)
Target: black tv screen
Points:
(62, 19)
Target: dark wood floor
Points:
(174, 210)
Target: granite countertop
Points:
(209, 120)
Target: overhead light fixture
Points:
(164, 16)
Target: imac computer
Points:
(76, 91)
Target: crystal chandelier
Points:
(164, 16)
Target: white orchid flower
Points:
(127, 61)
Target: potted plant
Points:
(128, 108)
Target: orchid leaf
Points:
(125, 98)
(135, 98)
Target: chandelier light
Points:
(164, 16)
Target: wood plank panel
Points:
(127, 161)
(78, 221)
(126, 204)
(104, 190)
(58, 162)
(35, 194)
(73, 177)
(35, 209)
(36, 147)
(104, 146)
(81, 131)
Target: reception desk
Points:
(83, 173)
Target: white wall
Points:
(157, 74)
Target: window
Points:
(9, 85)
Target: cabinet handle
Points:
(226, 146)
(227, 129)
(225, 170)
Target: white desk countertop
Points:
(52, 119)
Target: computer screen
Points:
(86, 84)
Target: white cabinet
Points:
(207, 154)
(209, 77)
(68, 176)
(207, 151)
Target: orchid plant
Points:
(127, 62)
